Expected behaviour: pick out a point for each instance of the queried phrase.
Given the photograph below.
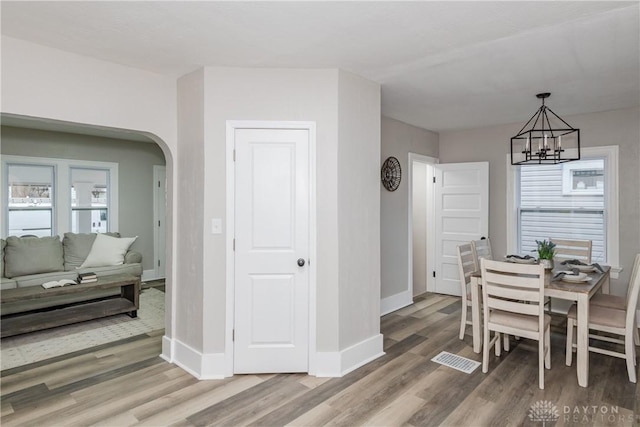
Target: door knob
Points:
(300, 262)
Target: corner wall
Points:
(358, 209)
(271, 94)
(398, 139)
(189, 310)
(346, 110)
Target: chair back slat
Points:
(466, 265)
(516, 293)
(573, 249)
(632, 298)
(512, 306)
(481, 249)
(512, 279)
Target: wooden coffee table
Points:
(128, 302)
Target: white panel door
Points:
(272, 238)
(462, 214)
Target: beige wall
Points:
(619, 127)
(190, 193)
(358, 208)
(419, 228)
(135, 169)
(398, 139)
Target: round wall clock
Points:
(391, 173)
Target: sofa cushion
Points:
(77, 246)
(8, 283)
(32, 255)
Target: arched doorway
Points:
(133, 151)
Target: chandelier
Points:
(545, 139)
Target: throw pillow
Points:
(32, 255)
(107, 250)
(76, 248)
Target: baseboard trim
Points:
(327, 364)
(339, 363)
(362, 353)
(201, 365)
(149, 275)
(395, 302)
(167, 349)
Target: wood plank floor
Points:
(126, 384)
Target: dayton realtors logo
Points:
(545, 411)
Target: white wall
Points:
(619, 127)
(190, 196)
(41, 82)
(398, 139)
(358, 208)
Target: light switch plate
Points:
(216, 225)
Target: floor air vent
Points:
(456, 362)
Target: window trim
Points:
(61, 189)
(612, 207)
(5, 193)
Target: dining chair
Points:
(567, 249)
(481, 249)
(513, 296)
(572, 249)
(466, 266)
(612, 321)
(617, 302)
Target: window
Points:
(37, 204)
(574, 200)
(30, 196)
(545, 210)
(89, 200)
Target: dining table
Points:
(579, 292)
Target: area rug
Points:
(36, 346)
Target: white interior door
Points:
(272, 240)
(159, 217)
(461, 215)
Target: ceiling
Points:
(442, 65)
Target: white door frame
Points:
(232, 125)
(430, 221)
